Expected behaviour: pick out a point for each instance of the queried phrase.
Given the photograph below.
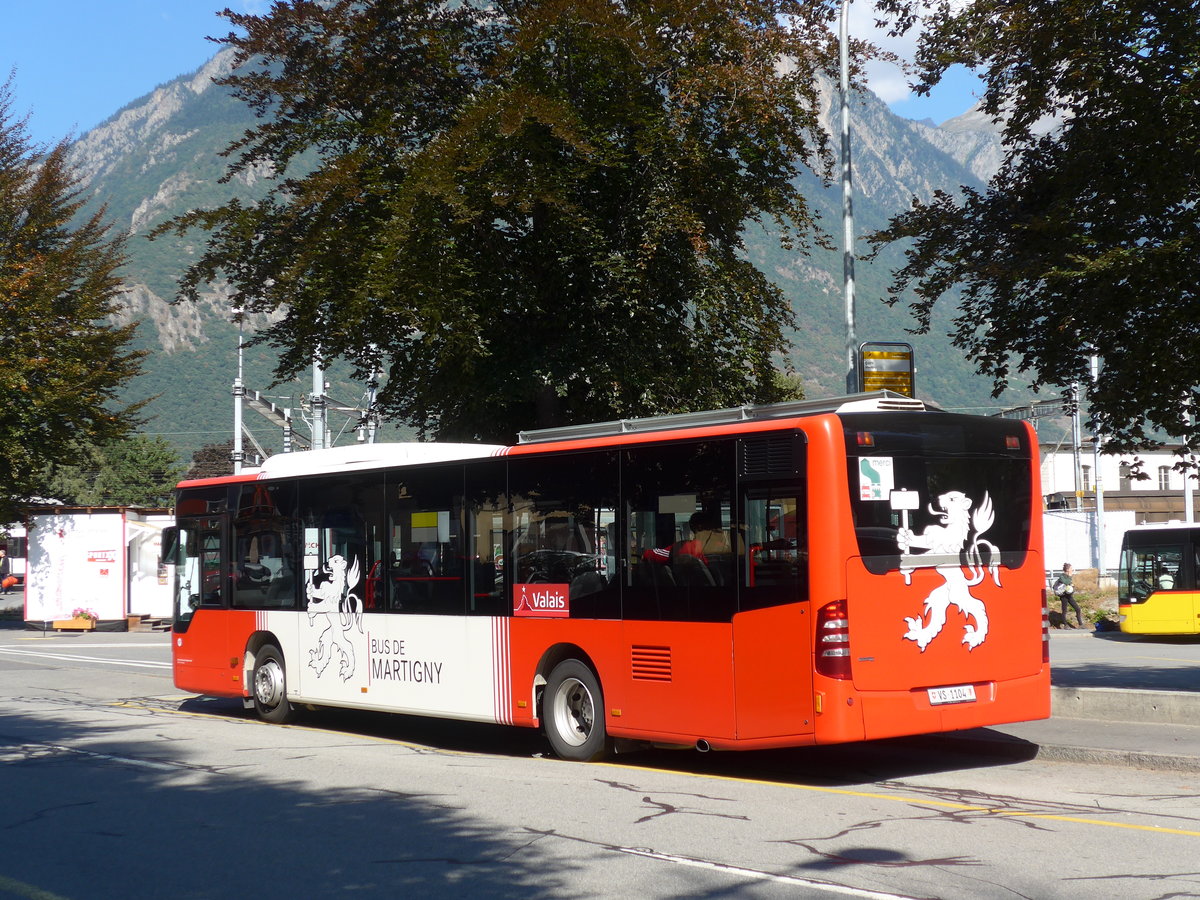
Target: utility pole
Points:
(239, 391)
(1076, 447)
(370, 422)
(847, 203)
(318, 404)
(1189, 472)
(1099, 485)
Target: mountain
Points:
(160, 156)
(153, 159)
(893, 160)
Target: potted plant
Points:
(82, 619)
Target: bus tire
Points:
(269, 686)
(573, 712)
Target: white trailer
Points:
(106, 561)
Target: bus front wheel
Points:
(270, 686)
(573, 709)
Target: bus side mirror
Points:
(170, 543)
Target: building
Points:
(1135, 489)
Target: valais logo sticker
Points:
(546, 600)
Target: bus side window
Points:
(264, 563)
(210, 573)
(681, 535)
(562, 510)
(340, 529)
(490, 523)
(426, 546)
(776, 553)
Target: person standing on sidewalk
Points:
(7, 578)
(1064, 587)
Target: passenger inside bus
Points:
(705, 559)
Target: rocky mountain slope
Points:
(160, 156)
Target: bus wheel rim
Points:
(268, 684)
(574, 711)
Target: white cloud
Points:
(887, 80)
(954, 95)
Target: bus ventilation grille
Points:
(901, 405)
(651, 663)
(770, 456)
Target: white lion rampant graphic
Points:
(957, 535)
(335, 596)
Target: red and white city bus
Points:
(784, 575)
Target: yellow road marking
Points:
(924, 801)
(866, 795)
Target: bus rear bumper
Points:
(888, 714)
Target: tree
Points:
(212, 460)
(62, 361)
(525, 213)
(1085, 242)
(216, 459)
(137, 471)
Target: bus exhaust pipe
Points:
(702, 745)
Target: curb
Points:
(1123, 705)
(994, 743)
(1163, 762)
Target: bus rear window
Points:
(937, 485)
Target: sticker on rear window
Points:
(876, 477)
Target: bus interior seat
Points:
(691, 571)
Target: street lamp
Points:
(847, 203)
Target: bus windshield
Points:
(1150, 565)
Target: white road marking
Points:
(824, 886)
(76, 657)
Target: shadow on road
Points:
(88, 812)
(831, 765)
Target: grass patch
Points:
(1098, 603)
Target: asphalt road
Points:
(117, 785)
(1115, 660)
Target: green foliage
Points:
(136, 471)
(1086, 240)
(212, 460)
(529, 213)
(62, 363)
(786, 387)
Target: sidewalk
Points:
(1173, 748)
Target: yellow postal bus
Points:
(1156, 584)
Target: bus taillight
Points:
(1045, 625)
(833, 640)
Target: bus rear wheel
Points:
(573, 710)
(270, 686)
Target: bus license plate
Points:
(963, 693)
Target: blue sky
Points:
(79, 61)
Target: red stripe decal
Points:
(502, 696)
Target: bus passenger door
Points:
(771, 631)
(199, 636)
